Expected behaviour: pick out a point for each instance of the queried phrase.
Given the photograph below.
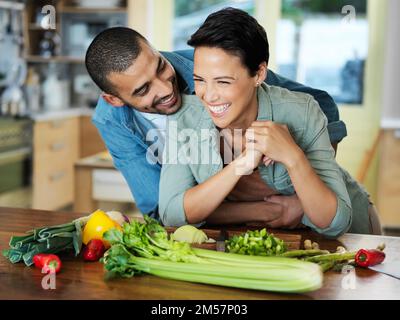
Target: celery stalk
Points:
(238, 259)
(285, 273)
(289, 287)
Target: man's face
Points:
(149, 84)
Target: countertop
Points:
(61, 114)
(390, 123)
(101, 160)
(82, 280)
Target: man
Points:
(140, 86)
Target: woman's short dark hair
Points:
(237, 32)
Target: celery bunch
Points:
(147, 248)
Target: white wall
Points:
(391, 78)
(153, 19)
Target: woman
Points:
(282, 134)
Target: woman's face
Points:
(224, 86)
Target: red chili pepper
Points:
(371, 257)
(94, 250)
(47, 262)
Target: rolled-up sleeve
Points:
(337, 131)
(340, 223)
(318, 150)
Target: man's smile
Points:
(167, 102)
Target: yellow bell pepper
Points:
(98, 223)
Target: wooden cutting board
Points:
(293, 241)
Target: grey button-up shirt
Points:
(192, 155)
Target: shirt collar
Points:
(264, 103)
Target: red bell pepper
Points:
(48, 263)
(371, 257)
(94, 250)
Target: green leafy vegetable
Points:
(146, 248)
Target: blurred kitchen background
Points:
(51, 156)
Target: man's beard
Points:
(153, 108)
(156, 111)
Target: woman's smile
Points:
(218, 110)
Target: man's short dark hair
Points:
(112, 50)
(237, 32)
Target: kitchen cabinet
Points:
(57, 145)
(90, 141)
(56, 148)
(15, 153)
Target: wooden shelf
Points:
(12, 5)
(59, 59)
(67, 9)
(36, 27)
(91, 10)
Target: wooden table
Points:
(80, 280)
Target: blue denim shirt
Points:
(124, 131)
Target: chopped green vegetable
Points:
(146, 248)
(189, 234)
(256, 243)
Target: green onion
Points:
(303, 253)
(332, 257)
(52, 239)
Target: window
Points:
(189, 15)
(324, 44)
